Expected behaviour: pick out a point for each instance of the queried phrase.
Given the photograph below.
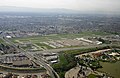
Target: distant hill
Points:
(51, 10)
(26, 9)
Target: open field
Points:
(112, 69)
(58, 40)
(91, 76)
(44, 46)
(36, 39)
(2, 41)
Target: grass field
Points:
(112, 69)
(2, 42)
(44, 45)
(91, 76)
(37, 39)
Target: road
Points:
(66, 49)
(41, 62)
(56, 50)
(38, 60)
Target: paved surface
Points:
(22, 74)
(42, 62)
(74, 72)
(38, 60)
(65, 49)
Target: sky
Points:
(81, 5)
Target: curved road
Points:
(38, 60)
(41, 61)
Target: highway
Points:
(31, 56)
(41, 62)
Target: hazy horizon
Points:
(104, 6)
